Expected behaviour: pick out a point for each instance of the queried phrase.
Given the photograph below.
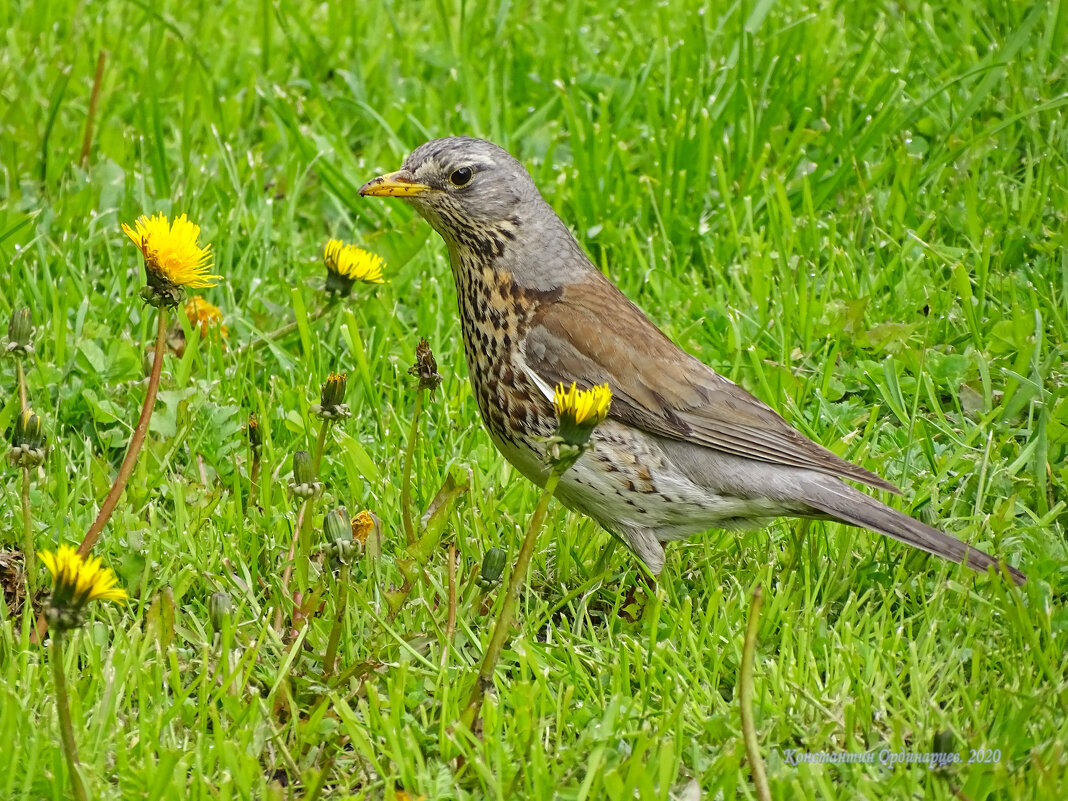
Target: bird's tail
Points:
(849, 505)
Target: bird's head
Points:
(468, 189)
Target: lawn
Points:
(856, 210)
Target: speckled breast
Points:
(495, 313)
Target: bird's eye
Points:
(461, 177)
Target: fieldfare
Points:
(683, 449)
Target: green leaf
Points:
(360, 459)
(433, 523)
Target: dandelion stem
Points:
(406, 471)
(24, 403)
(320, 444)
(745, 699)
(66, 730)
(330, 658)
(136, 441)
(304, 532)
(450, 624)
(254, 476)
(94, 96)
(27, 518)
(504, 619)
(28, 549)
(291, 559)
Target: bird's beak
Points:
(395, 184)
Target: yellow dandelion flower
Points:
(171, 252)
(362, 526)
(346, 264)
(583, 406)
(579, 411)
(206, 315)
(76, 582)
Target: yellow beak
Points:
(395, 184)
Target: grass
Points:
(855, 210)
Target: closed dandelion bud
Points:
(492, 567)
(27, 441)
(336, 525)
(220, 610)
(426, 367)
(303, 484)
(20, 333)
(255, 435)
(332, 404)
(944, 742)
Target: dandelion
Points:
(220, 610)
(425, 371)
(76, 582)
(27, 441)
(342, 549)
(332, 404)
(304, 483)
(492, 568)
(579, 411)
(28, 452)
(254, 433)
(362, 526)
(336, 525)
(173, 259)
(205, 315)
(426, 367)
(347, 264)
(20, 333)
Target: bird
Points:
(683, 449)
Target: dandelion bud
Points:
(220, 610)
(492, 567)
(303, 484)
(27, 441)
(255, 435)
(20, 333)
(426, 367)
(332, 397)
(336, 525)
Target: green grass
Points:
(855, 210)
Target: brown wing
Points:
(593, 334)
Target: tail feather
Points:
(852, 506)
